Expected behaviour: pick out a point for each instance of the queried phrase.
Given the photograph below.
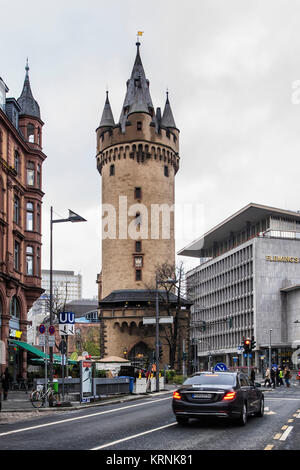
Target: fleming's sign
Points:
(283, 259)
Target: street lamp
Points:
(157, 282)
(73, 217)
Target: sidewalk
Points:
(19, 402)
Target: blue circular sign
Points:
(51, 330)
(220, 367)
(42, 329)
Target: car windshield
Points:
(211, 379)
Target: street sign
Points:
(51, 341)
(220, 367)
(152, 320)
(66, 329)
(51, 330)
(66, 317)
(42, 329)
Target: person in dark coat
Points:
(273, 377)
(5, 383)
(252, 376)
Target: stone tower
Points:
(138, 159)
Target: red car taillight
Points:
(177, 396)
(229, 396)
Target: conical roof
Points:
(167, 118)
(107, 119)
(136, 85)
(28, 104)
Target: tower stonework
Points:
(138, 158)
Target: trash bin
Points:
(131, 384)
(55, 385)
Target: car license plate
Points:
(201, 395)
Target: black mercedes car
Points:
(218, 394)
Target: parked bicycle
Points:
(38, 397)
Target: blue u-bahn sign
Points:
(66, 317)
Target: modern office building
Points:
(247, 284)
(21, 161)
(67, 285)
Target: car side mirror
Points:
(257, 384)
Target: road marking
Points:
(290, 420)
(277, 436)
(269, 447)
(286, 433)
(109, 444)
(284, 427)
(81, 417)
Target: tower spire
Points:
(107, 119)
(167, 118)
(27, 102)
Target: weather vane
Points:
(139, 33)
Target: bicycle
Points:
(38, 397)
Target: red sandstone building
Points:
(21, 160)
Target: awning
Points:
(38, 352)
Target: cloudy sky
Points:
(232, 68)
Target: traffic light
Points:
(160, 352)
(229, 320)
(203, 326)
(253, 343)
(247, 345)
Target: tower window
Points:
(138, 218)
(111, 170)
(138, 246)
(138, 274)
(30, 133)
(168, 134)
(139, 125)
(166, 170)
(138, 193)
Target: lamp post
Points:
(73, 217)
(157, 282)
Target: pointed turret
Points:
(136, 85)
(107, 119)
(139, 104)
(167, 118)
(28, 104)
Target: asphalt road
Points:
(149, 424)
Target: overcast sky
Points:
(230, 67)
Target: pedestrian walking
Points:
(280, 376)
(267, 378)
(273, 377)
(277, 377)
(287, 376)
(5, 378)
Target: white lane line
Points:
(286, 433)
(109, 444)
(31, 428)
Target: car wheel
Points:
(182, 420)
(261, 410)
(243, 416)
